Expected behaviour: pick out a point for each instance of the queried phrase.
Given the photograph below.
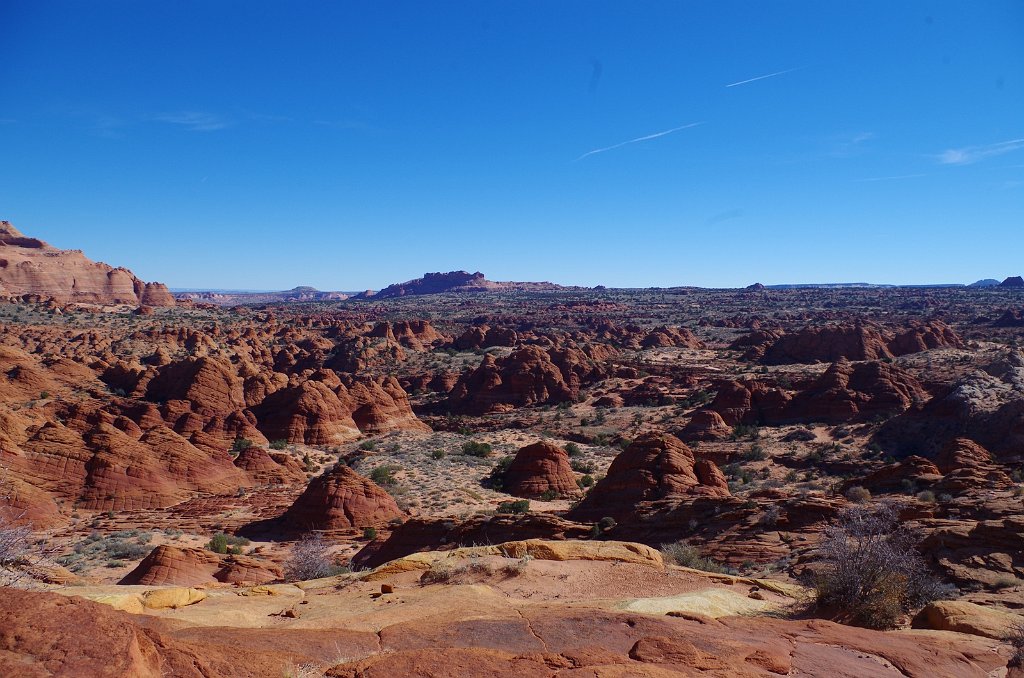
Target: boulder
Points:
(342, 499)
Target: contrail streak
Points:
(762, 77)
(633, 141)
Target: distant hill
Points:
(1013, 281)
(987, 282)
(453, 282)
(232, 297)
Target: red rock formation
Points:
(679, 337)
(850, 391)
(324, 410)
(208, 384)
(828, 344)
(923, 337)
(706, 424)
(914, 471)
(526, 377)
(270, 468)
(538, 469)
(341, 499)
(653, 467)
(32, 267)
(750, 402)
(173, 566)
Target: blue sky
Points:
(350, 145)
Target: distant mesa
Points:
(756, 287)
(454, 281)
(987, 282)
(30, 267)
(1013, 281)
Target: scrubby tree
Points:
(870, 570)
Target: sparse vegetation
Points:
(310, 559)
(869, 569)
(686, 555)
(518, 506)
(474, 448)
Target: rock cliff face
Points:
(29, 266)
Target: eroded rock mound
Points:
(526, 377)
(174, 566)
(541, 469)
(342, 499)
(653, 467)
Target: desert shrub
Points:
(496, 478)
(309, 559)
(685, 555)
(573, 450)
(1016, 640)
(870, 569)
(384, 475)
(581, 466)
(227, 543)
(240, 444)
(369, 533)
(585, 482)
(548, 495)
(858, 494)
(475, 448)
(15, 543)
(437, 454)
(756, 452)
(278, 444)
(770, 516)
(518, 506)
(516, 568)
(926, 496)
(368, 445)
(745, 431)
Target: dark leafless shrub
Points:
(310, 560)
(15, 536)
(1016, 641)
(870, 569)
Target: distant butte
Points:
(1013, 281)
(30, 268)
(454, 281)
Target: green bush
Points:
(518, 506)
(474, 448)
(573, 450)
(437, 454)
(279, 444)
(384, 475)
(586, 481)
(683, 554)
(240, 444)
(496, 478)
(369, 533)
(227, 543)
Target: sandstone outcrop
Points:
(540, 469)
(342, 499)
(174, 566)
(29, 266)
(653, 467)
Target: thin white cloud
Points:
(194, 121)
(972, 154)
(762, 77)
(893, 178)
(638, 139)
